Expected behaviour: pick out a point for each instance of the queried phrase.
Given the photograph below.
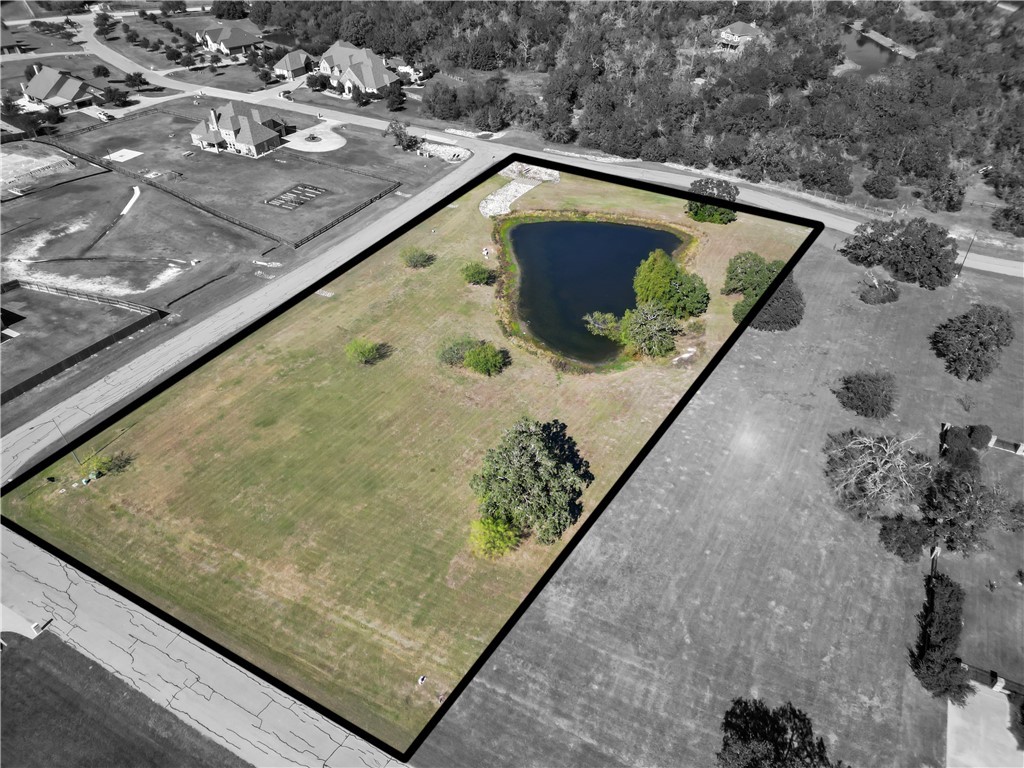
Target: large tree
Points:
(914, 251)
(784, 310)
(934, 659)
(971, 343)
(661, 281)
(748, 273)
(650, 329)
(229, 9)
(135, 80)
(755, 735)
(534, 479)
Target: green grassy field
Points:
(312, 514)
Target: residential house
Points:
(9, 43)
(349, 66)
(54, 88)
(295, 64)
(737, 35)
(398, 65)
(243, 130)
(228, 40)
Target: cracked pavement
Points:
(253, 719)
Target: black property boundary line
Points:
(88, 433)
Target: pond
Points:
(570, 268)
(864, 51)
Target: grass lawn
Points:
(312, 514)
(232, 77)
(34, 41)
(229, 183)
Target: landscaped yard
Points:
(312, 514)
(235, 185)
(233, 77)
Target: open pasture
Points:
(312, 514)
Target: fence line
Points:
(32, 285)
(351, 212)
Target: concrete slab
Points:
(978, 735)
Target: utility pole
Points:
(966, 254)
(66, 441)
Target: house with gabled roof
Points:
(241, 130)
(295, 64)
(348, 67)
(738, 34)
(55, 88)
(228, 40)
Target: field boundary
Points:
(149, 315)
(103, 162)
(134, 401)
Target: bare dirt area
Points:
(725, 570)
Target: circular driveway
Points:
(329, 139)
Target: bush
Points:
(881, 185)
(905, 537)
(958, 451)
(980, 436)
(454, 352)
(492, 537)
(784, 310)
(476, 273)
(914, 251)
(417, 258)
(363, 351)
(971, 343)
(871, 395)
(879, 291)
(486, 359)
(934, 659)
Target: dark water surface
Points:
(871, 56)
(570, 268)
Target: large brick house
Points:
(349, 66)
(228, 40)
(248, 131)
(54, 88)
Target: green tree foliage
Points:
(259, 14)
(783, 311)
(971, 344)
(716, 188)
(107, 464)
(604, 324)
(173, 6)
(135, 80)
(659, 280)
(868, 394)
(755, 735)
(957, 450)
(364, 351)
(945, 194)
(173, 54)
(403, 138)
(317, 82)
(492, 537)
(875, 291)
(115, 97)
(748, 273)
(100, 71)
(827, 173)
(881, 184)
(875, 475)
(905, 537)
(453, 352)
(914, 251)
(1011, 218)
(960, 511)
(649, 330)
(533, 480)
(229, 9)
(417, 258)
(131, 36)
(934, 658)
(476, 273)
(486, 359)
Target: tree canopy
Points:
(784, 310)
(934, 659)
(914, 251)
(717, 188)
(660, 280)
(754, 735)
(534, 479)
(971, 343)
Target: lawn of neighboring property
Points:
(232, 77)
(312, 514)
(42, 43)
(229, 183)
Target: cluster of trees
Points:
(750, 275)
(914, 251)
(403, 138)
(530, 484)
(716, 188)
(971, 344)
(755, 735)
(934, 659)
(100, 464)
(665, 295)
(63, 30)
(393, 93)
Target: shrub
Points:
(971, 343)
(881, 184)
(905, 537)
(958, 451)
(871, 395)
(784, 310)
(454, 352)
(934, 659)
(879, 291)
(486, 359)
(476, 273)
(492, 537)
(363, 351)
(980, 435)
(417, 258)
(914, 251)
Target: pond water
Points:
(570, 268)
(864, 51)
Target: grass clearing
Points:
(313, 514)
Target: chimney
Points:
(213, 120)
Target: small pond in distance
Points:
(570, 268)
(871, 56)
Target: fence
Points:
(350, 212)
(36, 172)
(151, 315)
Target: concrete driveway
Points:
(328, 139)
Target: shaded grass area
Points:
(51, 717)
(312, 514)
(227, 182)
